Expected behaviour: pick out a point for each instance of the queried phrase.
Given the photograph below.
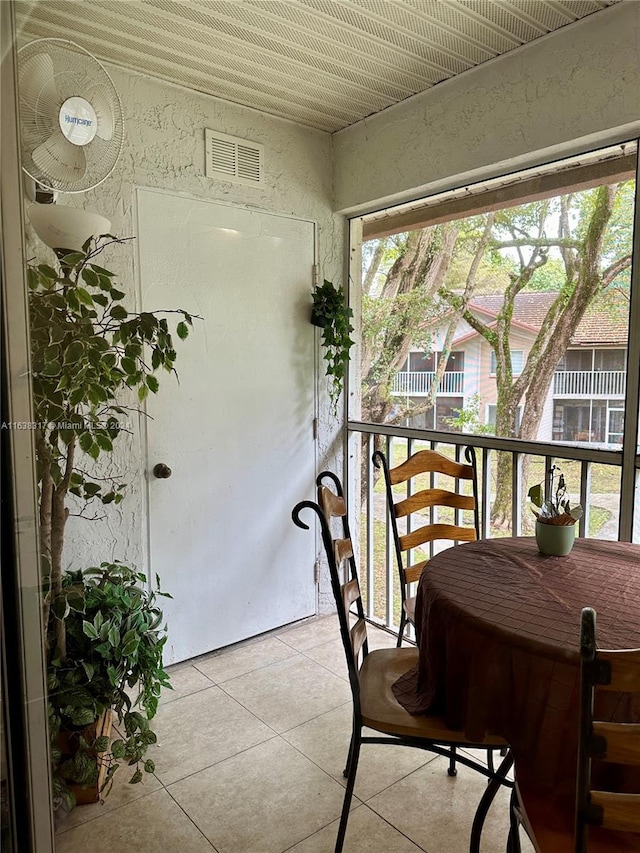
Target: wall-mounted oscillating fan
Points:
(71, 120)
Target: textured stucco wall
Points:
(164, 148)
(577, 86)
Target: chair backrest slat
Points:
(433, 497)
(332, 505)
(621, 741)
(343, 549)
(625, 670)
(412, 573)
(429, 460)
(616, 742)
(619, 811)
(358, 637)
(433, 532)
(350, 593)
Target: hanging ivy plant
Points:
(331, 313)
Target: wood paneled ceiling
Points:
(321, 63)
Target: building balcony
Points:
(418, 383)
(588, 383)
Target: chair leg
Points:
(486, 800)
(403, 622)
(451, 769)
(513, 840)
(352, 765)
(490, 765)
(347, 766)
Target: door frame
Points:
(317, 359)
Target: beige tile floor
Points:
(252, 742)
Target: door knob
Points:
(161, 471)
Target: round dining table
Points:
(498, 627)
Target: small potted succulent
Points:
(555, 517)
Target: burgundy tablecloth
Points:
(498, 627)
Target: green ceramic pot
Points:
(555, 539)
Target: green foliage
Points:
(104, 630)
(495, 267)
(333, 316)
(86, 349)
(619, 235)
(550, 277)
(387, 322)
(113, 659)
(468, 420)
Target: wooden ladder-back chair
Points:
(372, 674)
(602, 821)
(420, 463)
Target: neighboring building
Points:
(585, 400)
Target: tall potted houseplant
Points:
(104, 630)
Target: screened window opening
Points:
(519, 314)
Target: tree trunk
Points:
(55, 513)
(552, 341)
(501, 514)
(422, 268)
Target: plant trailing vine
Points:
(331, 313)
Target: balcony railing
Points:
(592, 475)
(588, 383)
(420, 382)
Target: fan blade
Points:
(37, 88)
(104, 112)
(59, 159)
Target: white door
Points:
(237, 430)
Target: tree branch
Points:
(537, 242)
(615, 269)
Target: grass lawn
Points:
(605, 479)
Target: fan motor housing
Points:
(78, 120)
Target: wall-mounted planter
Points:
(317, 319)
(331, 313)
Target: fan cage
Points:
(51, 71)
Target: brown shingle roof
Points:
(606, 320)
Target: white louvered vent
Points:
(229, 158)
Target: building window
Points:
(491, 417)
(446, 409)
(610, 359)
(427, 362)
(422, 362)
(517, 362)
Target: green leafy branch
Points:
(87, 351)
(331, 313)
